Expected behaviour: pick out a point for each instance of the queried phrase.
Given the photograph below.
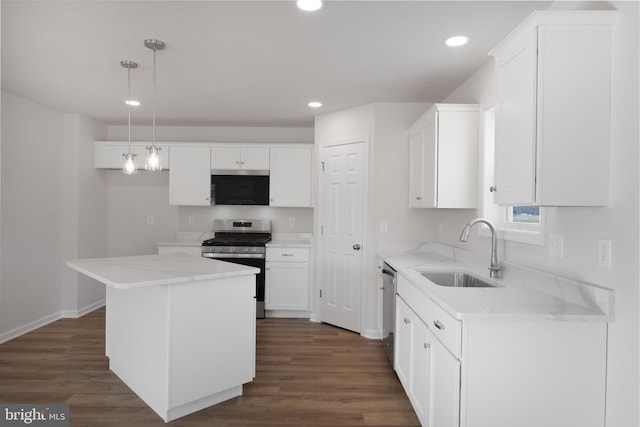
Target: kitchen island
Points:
(180, 330)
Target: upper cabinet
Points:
(443, 157)
(231, 158)
(290, 177)
(552, 112)
(109, 155)
(190, 176)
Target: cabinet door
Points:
(423, 167)
(421, 372)
(190, 176)
(457, 159)
(444, 394)
(515, 152)
(287, 286)
(402, 345)
(290, 177)
(256, 158)
(225, 158)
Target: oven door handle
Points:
(223, 256)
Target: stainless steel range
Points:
(241, 241)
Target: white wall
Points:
(84, 216)
(583, 227)
(385, 126)
(42, 214)
(30, 286)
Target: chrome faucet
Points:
(494, 269)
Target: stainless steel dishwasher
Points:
(388, 309)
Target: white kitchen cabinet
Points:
(443, 153)
(232, 158)
(287, 279)
(498, 371)
(108, 155)
(290, 177)
(553, 109)
(429, 373)
(190, 176)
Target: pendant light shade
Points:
(129, 167)
(153, 162)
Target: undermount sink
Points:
(456, 279)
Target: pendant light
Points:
(153, 162)
(129, 167)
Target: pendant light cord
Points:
(153, 127)
(129, 104)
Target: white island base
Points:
(182, 342)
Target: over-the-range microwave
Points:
(240, 187)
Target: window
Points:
(517, 223)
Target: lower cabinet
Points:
(428, 372)
(498, 371)
(287, 279)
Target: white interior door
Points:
(342, 227)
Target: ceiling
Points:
(244, 63)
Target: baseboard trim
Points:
(84, 310)
(372, 334)
(32, 326)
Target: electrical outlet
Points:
(556, 245)
(292, 222)
(384, 226)
(191, 220)
(604, 253)
(150, 219)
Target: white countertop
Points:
(290, 240)
(522, 293)
(152, 270)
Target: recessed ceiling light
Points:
(456, 41)
(132, 102)
(310, 5)
(315, 104)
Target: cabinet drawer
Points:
(444, 326)
(288, 254)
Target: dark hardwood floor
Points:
(307, 374)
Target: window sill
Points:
(522, 236)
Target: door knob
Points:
(356, 247)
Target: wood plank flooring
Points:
(307, 374)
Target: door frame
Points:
(316, 314)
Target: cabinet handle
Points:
(406, 321)
(427, 345)
(356, 247)
(493, 189)
(287, 254)
(418, 198)
(438, 325)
